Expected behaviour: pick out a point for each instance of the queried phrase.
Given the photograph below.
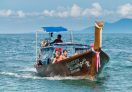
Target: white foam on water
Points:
(9, 73)
(28, 69)
(130, 58)
(31, 76)
(66, 78)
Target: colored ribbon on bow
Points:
(98, 65)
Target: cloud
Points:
(63, 14)
(5, 13)
(10, 13)
(96, 10)
(125, 10)
(20, 14)
(48, 13)
(75, 11)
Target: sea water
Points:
(17, 72)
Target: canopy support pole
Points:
(36, 36)
(71, 36)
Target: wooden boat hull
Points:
(78, 65)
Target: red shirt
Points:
(58, 41)
(57, 59)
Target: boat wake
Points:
(36, 77)
(30, 76)
(28, 69)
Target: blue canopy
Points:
(54, 29)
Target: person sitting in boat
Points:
(58, 57)
(65, 52)
(58, 40)
(75, 54)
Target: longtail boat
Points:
(89, 61)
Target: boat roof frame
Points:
(41, 30)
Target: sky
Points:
(25, 16)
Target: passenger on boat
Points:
(58, 40)
(58, 57)
(65, 52)
(75, 54)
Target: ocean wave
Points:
(118, 50)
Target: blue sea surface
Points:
(17, 72)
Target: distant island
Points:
(121, 26)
